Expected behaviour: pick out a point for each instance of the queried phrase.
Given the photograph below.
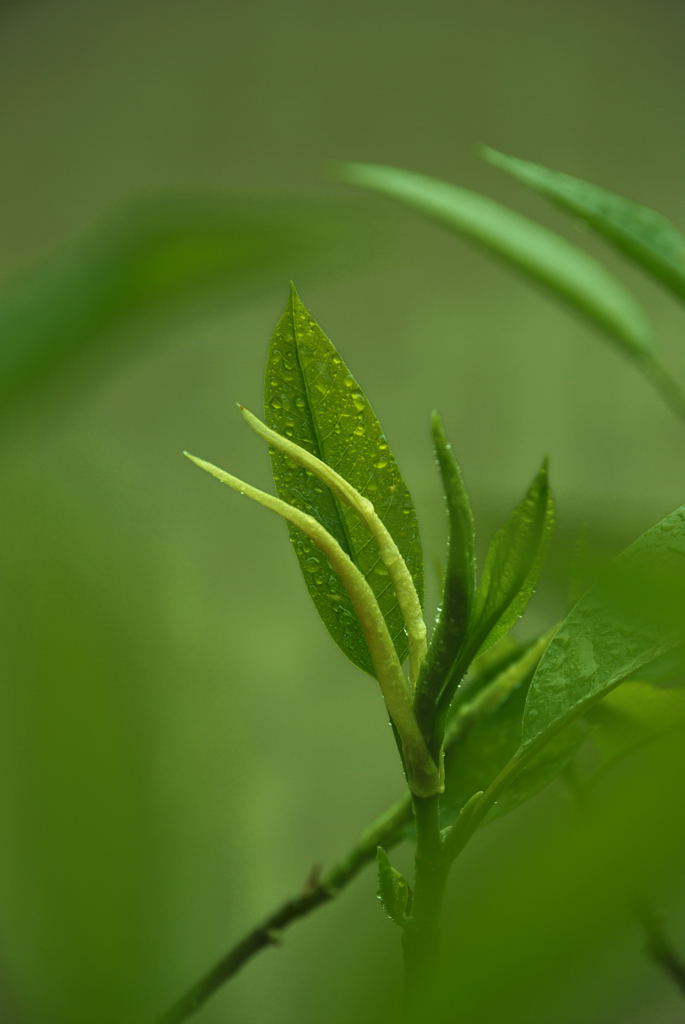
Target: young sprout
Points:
(407, 597)
(423, 776)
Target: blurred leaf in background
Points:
(155, 260)
(151, 805)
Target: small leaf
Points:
(631, 617)
(512, 565)
(561, 267)
(459, 585)
(312, 399)
(393, 890)
(642, 234)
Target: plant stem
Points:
(264, 935)
(386, 831)
(421, 940)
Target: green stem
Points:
(386, 831)
(421, 940)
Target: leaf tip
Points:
(196, 460)
(336, 169)
(490, 155)
(438, 429)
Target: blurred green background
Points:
(180, 739)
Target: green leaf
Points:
(393, 890)
(642, 234)
(542, 255)
(312, 399)
(151, 261)
(512, 565)
(630, 618)
(459, 585)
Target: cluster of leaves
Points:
(512, 717)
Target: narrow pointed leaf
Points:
(460, 576)
(642, 234)
(513, 564)
(312, 399)
(393, 890)
(630, 618)
(561, 267)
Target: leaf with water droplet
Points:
(512, 567)
(393, 890)
(640, 233)
(330, 417)
(561, 267)
(627, 620)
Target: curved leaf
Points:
(541, 254)
(642, 234)
(312, 399)
(632, 617)
(423, 776)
